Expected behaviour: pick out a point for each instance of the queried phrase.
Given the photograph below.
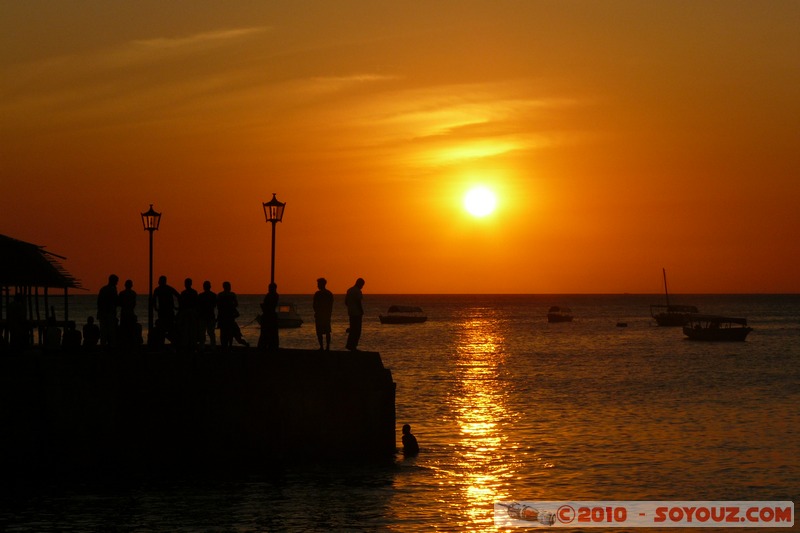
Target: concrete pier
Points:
(242, 411)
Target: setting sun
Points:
(480, 201)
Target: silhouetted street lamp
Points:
(273, 211)
(150, 220)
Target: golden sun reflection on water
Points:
(478, 403)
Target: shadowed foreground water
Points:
(506, 407)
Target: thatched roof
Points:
(24, 264)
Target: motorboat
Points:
(716, 328)
(403, 314)
(559, 314)
(288, 316)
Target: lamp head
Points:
(151, 219)
(273, 210)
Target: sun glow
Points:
(480, 201)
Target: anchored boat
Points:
(288, 316)
(403, 314)
(716, 328)
(671, 315)
(559, 314)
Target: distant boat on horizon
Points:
(403, 314)
(670, 315)
(559, 314)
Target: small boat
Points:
(288, 317)
(403, 314)
(671, 315)
(559, 314)
(716, 328)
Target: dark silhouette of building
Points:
(26, 268)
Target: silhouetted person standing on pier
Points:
(129, 334)
(164, 298)
(269, 338)
(107, 311)
(187, 319)
(206, 305)
(323, 309)
(355, 310)
(227, 313)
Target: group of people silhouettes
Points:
(187, 319)
(125, 332)
(322, 304)
(323, 309)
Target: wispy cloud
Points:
(197, 41)
(92, 83)
(447, 124)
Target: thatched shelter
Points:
(27, 273)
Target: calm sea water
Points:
(506, 407)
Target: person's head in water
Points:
(321, 282)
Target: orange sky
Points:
(619, 138)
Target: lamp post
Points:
(150, 220)
(273, 212)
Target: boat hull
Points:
(559, 318)
(389, 319)
(286, 323)
(718, 335)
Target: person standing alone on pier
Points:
(323, 309)
(355, 310)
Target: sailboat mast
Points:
(666, 292)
